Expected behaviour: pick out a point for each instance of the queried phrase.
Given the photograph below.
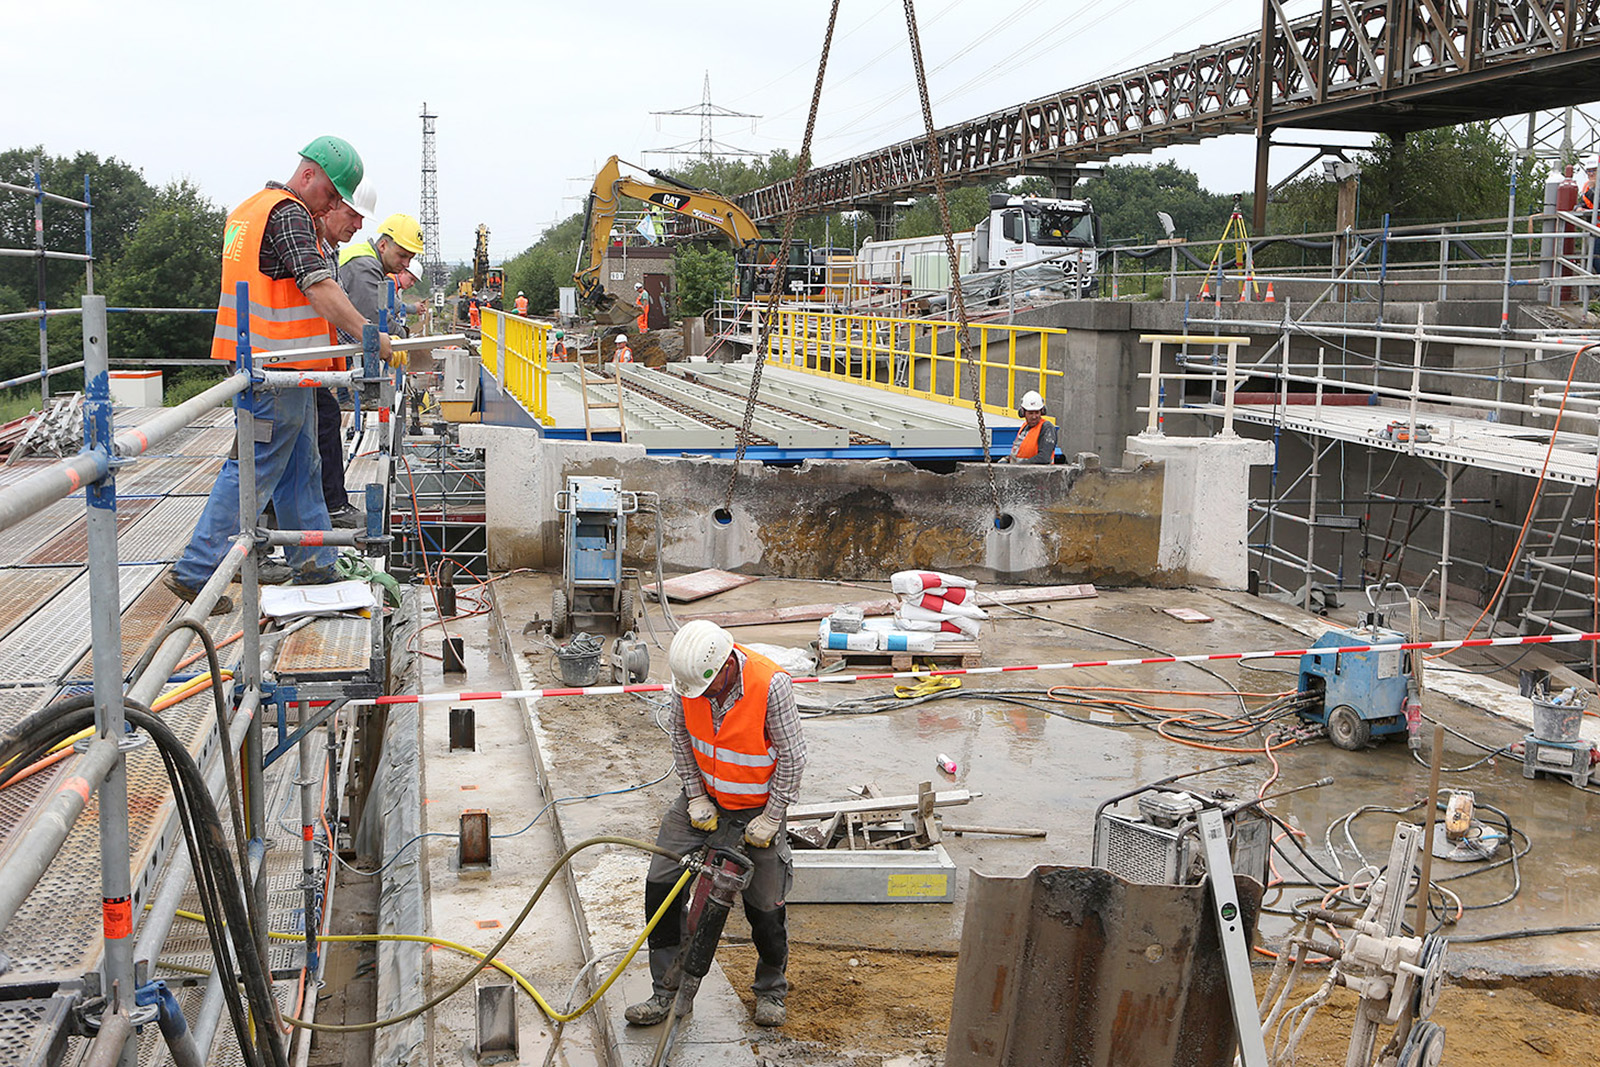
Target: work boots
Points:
(665, 982)
(770, 1011)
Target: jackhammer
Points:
(722, 872)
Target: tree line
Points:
(156, 246)
(1440, 175)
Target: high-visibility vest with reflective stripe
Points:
(736, 762)
(522, 305)
(281, 317)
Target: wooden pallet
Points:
(901, 661)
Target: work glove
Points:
(397, 357)
(760, 830)
(702, 813)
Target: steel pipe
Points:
(42, 840)
(116, 1031)
(336, 538)
(28, 190)
(147, 686)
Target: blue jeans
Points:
(288, 472)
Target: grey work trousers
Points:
(763, 900)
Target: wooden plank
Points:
(942, 799)
(701, 584)
(794, 613)
(812, 612)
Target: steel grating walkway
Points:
(44, 653)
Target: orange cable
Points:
(1533, 504)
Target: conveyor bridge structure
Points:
(1386, 66)
(93, 867)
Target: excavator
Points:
(754, 256)
(487, 283)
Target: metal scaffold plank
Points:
(72, 544)
(22, 591)
(52, 639)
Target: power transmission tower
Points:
(432, 260)
(707, 146)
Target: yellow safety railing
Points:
(524, 345)
(919, 357)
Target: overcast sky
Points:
(532, 96)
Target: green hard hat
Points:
(339, 161)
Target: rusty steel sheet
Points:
(22, 591)
(72, 544)
(333, 647)
(701, 584)
(1073, 965)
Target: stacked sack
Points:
(944, 604)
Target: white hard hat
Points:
(519, 292)
(1031, 401)
(622, 339)
(364, 201)
(698, 652)
(638, 285)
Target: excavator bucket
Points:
(609, 311)
(1074, 966)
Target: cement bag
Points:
(908, 582)
(950, 602)
(911, 617)
(900, 641)
(942, 631)
(860, 641)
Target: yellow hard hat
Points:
(405, 231)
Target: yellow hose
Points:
(527, 986)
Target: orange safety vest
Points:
(736, 762)
(281, 317)
(1026, 446)
(622, 355)
(558, 353)
(522, 305)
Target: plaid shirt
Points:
(783, 734)
(290, 247)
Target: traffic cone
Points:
(1246, 289)
(1205, 289)
(1271, 297)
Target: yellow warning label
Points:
(918, 885)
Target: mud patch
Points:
(886, 1007)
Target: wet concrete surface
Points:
(1037, 769)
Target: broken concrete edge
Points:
(607, 1009)
(863, 520)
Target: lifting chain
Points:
(963, 338)
(780, 268)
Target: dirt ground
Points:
(887, 1003)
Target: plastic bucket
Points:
(1557, 722)
(580, 666)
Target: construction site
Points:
(1195, 655)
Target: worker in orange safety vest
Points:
(738, 750)
(522, 304)
(1036, 439)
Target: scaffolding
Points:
(286, 704)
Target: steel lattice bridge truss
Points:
(1380, 65)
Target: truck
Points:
(1062, 235)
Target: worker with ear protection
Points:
(737, 747)
(1036, 440)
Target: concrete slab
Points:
(475, 908)
(1034, 767)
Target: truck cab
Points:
(1023, 230)
(756, 268)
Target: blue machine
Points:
(1361, 695)
(593, 536)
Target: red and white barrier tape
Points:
(1282, 653)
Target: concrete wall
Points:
(864, 520)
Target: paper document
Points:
(291, 601)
